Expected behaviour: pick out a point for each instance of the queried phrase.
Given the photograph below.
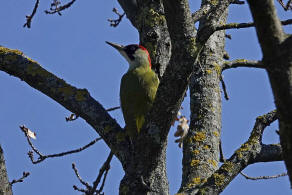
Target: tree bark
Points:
(201, 146)
(277, 58)
(5, 187)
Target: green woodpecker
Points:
(138, 86)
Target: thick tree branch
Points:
(251, 151)
(242, 63)
(202, 12)
(268, 26)
(76, 100)
(277, 48)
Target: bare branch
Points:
(224, 88)
(242, 63)
(80, 179)
(116, 22)
(43, 157)
(247, 154)
(103, 171)
(287, 6)
(56, 7)
(238, 2)
(263, 177)
(245, 25)
(29, 17)
(24, 175)
(202, 12)
(77, 101)
(112, 109)
(91, 190)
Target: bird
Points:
(138, 86)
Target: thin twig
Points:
(245, 25)
(24, 175)
(112, 109)
(43, 157)
(56, 8)
(222, 159)
(242, 63)
(79, 177)
(287, 6)
(29, 17)
(104, 169)
(116, 22)
(238, 2)
(224, 88)
(263, 177)
(91, 190)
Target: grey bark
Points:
(277, 56)
(5, 187)
(201, 146)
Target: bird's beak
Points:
(116, 46)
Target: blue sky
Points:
(72, 46)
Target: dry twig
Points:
(42, 157)
(287, 6)
(263, 177)
(24, 175)
(29, 17)
(56, 7)
(92, 190)
(116, 22)
(112, 109)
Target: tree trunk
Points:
(5, 187)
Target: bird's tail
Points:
(139, 122)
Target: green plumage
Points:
(137, 93)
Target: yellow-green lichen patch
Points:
(208, 71)
(194, 181)
(206, 147)
(214, 2)
(213, 162)
(218, 69)
(66, 91)
(124, 190)
(195, 163)
(228, 166)
(199, 136)
(244, 147)
(35, 70)
(216, 133)
(219, 179)
(196, 152)
(150, 17)
(4, 50)
(121, 136)
(192, 47)
(241, 61)
(81, 95)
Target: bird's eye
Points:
(133, 48)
